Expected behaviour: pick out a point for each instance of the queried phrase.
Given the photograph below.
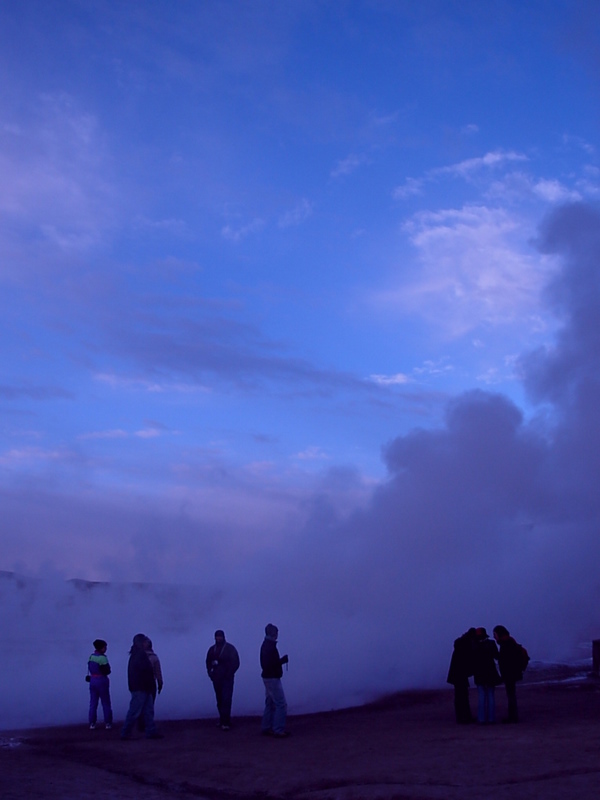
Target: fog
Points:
(492, 518)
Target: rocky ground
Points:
(405, 746)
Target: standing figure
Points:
(156, 668)
(142, 685)
(98, 672)
(222, 662)
(273, 721)
(485, 676)
(461, 668)
(510, 661)
(158, 678)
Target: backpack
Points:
(523, 658)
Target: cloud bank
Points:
(490, 518)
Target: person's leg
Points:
(94, 697)
(106, 705)
(480, 703)
(218, 687)
(267, 720)
(148, 713)
(511, 696)
(226, 698)
(491, 692)
(280, 712)
(136, 707)
(462, 709)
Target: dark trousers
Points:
(511, 696)
(224, 694)
(99, 691)
(462, 708)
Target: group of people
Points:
(145, 680)
(476, 655)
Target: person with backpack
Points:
(512, 661)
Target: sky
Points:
(299, 304)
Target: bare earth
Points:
(407, 746)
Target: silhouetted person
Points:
(98, 672)
(222, 662)
(273, 721)
(485, 675)
(461, 668)
(510, 661)
(158, 679)
(142, 685)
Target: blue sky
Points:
(244, 246)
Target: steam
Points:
(492, 518)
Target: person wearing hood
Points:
(142, 685)
(275, 713)
(485, 676)
(222, 662)
(511, 668)
(461, 669)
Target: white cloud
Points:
(148, 433)
(493, 159)
(552, 191)
(177, 227)
(476, 267)
(116, 433)
(390, 380)
(312, 453)
(410, 187)
(120, 382)
(346, 166)
(29, 456)
(237, 234)
(297, 215)
(578, 141)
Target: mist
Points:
(491, 518)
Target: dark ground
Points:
(406, 746)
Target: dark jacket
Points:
(270, 660)
(461, 663)
(140, 674)
(510, 660)
(222, 662)
(484, 668)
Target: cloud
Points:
(346, 166)
(411, 187)
(490, 517)
(33, 392)
(115, 433)
(490, 160)
(476, 268)
(312, 453)
(56, 178)
(241, 232)
(398, 379)
(552, 191)
(297, 215)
